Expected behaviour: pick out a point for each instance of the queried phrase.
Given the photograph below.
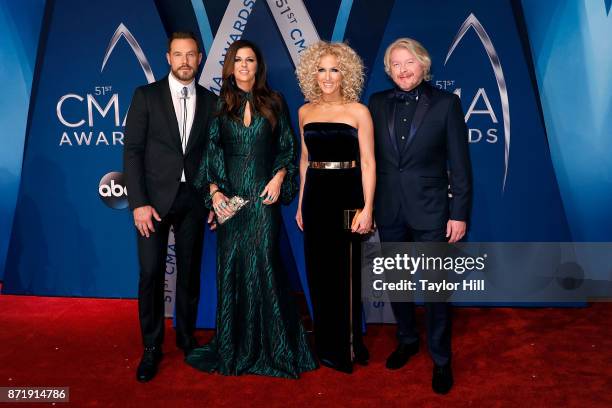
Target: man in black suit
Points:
(165, 138)
(421, 147)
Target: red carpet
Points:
(503, 357)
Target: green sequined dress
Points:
(258, 326)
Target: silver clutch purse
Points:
(235, 204)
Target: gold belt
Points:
(333, 165)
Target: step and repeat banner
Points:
(572, 52)
(537, 134)
(72, 234)
(19, 33)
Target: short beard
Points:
(184, 77)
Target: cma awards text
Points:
(76, 111)
(480, 105)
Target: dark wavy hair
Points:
(265, 101)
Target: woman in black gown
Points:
(338, 173)
(251, 154)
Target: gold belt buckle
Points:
(333, 165)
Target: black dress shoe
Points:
(442, 379)
(148, 364)
(188, 347)
(362, 356)
(401, 355)
(344, 367)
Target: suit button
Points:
(401, 170)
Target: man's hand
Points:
(143, 221)
(455, 230)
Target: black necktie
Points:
(184, 97)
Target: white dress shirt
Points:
(176, 89)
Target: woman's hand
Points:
(220, 205)
(272, 190)
(362, 223)
(298, 218)
(212, 221)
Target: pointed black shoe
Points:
(147, 369)
(344, 367)
(401, 355)
(442, 379)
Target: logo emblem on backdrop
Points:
(112, 190)
(483, 36)
(122, 31)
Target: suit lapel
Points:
(419, 115)
(390, 117)
(173, 127)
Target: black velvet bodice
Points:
(331, 142)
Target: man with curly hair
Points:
(421, 148)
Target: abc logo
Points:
(112, 190)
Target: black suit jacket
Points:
(153, 159)
(417, 177)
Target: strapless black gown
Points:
(332, 254)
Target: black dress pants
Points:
(187, 217)
(437, 314)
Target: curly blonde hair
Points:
(349, 65)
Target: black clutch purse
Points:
(349, 217)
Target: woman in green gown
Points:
(251, 154)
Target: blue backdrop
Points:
(533, 78)
(572, 53)
(20, 24)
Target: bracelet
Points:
(214, 192)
